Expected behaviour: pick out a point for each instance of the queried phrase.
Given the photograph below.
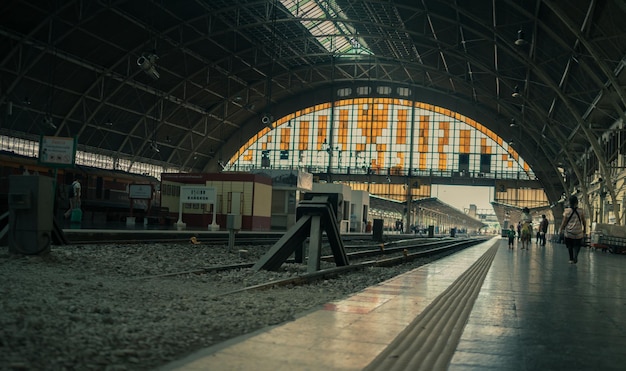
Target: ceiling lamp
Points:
(513, 123)
(154, 147)
(520, 38)
(47, 121)
(516, 93)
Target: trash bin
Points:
(431, 231)
(452, 232)
(377, 230)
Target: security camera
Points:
(154, 147)
(267, 119)
(147, 64)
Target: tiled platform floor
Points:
(534, 312)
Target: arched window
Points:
(382, 136)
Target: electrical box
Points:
(31, 201)
(233, 221)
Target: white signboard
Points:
(140, 191)
(197, 195)
(57, 150)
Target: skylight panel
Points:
(325, 21)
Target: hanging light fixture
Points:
(520, 38)
(516, 93)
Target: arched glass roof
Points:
(381, 136)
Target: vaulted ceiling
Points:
(72, 68)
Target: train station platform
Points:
(486, 307)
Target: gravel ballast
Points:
(92, 307)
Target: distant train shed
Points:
(426, 212)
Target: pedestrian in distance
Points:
(573, 228)
(526, 228)
(74, 196)
(511, 235)
(543, 229)
(538, 237)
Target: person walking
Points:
(511, 235)
(543, 229)
(527, 228)
(573, 228)
(74, 196)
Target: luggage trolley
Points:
(611, 238)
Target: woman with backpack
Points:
(573, 228)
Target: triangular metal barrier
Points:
(313, 217)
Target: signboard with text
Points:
(57, 151)
(140, 191)
(197, 195)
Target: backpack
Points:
(70, 192)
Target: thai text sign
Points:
(58, 151)
(197, 195)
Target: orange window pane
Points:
(322, 125)
(342, 140)
(303, 136)
(248, 156)
(422, 162)
(402, 126)
(443, 165)
(381, 159)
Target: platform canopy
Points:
(431, 205)
(455, 215)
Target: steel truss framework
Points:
(194, 79)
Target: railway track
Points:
(400, 252)
(94, 237)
